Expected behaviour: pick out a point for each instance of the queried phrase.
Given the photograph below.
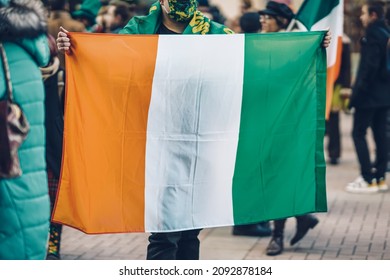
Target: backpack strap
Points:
(6, 73)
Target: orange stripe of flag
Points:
(112, 120)
(332, 75)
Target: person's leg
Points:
(334, 142)
(279, 227)
(362, 120)
(188, 248)
(54, 246)
(53, 250)
(380, 138)
(163, 246)
(366, 183)
(275, 246)
(261, 229)
(304, 223)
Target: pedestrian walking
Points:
(371, 101)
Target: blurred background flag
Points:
(320, 15)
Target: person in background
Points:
(118, 15)
(250, 23)
(210, 11)
(143, 6)
(289, 3)
(340, 99)
(100, 25)
(246, 6)
(54, 81)
(60, 16)
(371, 101)
(276, 18)
(387, 19)
(24, 201)
(87, 14)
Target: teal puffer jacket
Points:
(24, 201)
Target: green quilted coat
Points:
(24, 201)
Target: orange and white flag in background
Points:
(320, 15)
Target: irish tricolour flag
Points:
(321, 15)
(167, 133)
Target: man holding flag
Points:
(167, 17)
(170, 17)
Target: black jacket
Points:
(372, 88)
(344, 78)
(54, 123)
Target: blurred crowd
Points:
(107, 16)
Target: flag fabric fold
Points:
(168, 133)
(322, 15)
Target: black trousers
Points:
(280, 224)
(376, 119)
(179, 245)
(333, 132)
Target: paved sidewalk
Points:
(355, 227)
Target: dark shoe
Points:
(52, 257)
(275, 246)
(304, 223)
(334, 161)
(257, 230)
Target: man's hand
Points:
(327, 39)
(63, 41)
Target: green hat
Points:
(89, 10)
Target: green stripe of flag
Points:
(280, 153)
(312, 11)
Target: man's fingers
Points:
(62, 39)
(63, 30)
(327, 39)
(65, 44)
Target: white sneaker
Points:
(382, 186)
(361, 186)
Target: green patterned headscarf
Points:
(198, 23)
(182, 10)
